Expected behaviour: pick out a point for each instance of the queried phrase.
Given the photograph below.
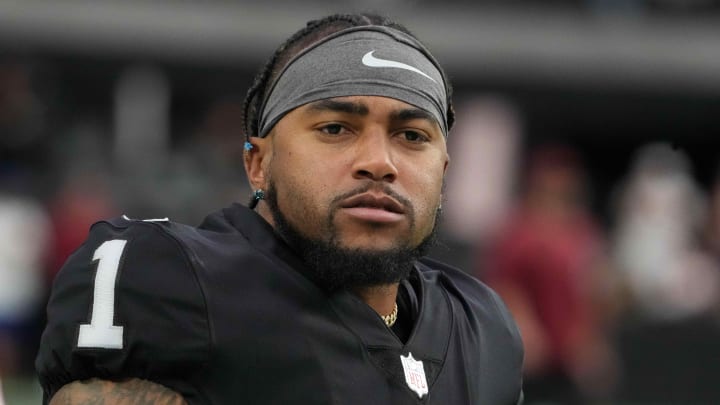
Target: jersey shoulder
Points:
(127, 303)
(485, 325)
(482, 306)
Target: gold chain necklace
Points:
(390, 319)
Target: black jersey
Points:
(222, 314)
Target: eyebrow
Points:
(339, 106)
(408, 114)
(349, 107)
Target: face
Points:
(364, 173)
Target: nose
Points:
(374, 157)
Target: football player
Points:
(319, 291)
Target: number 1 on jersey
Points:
(100, 332)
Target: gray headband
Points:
(367, 60)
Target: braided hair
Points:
(313, 32)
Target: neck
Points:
(380, 298)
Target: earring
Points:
(258, 195)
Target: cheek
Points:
(303, 192)
(431, 203)
(428, 183)
(428, 192)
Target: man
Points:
(547, 263)
(322, 296)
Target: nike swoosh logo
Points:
(369, 60)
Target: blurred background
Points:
(584, 183)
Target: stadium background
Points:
(111, 107)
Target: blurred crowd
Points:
(622, 307)
(625, 308)
(586, 298)
(59, 175)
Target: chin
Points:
(353, 239)
(371, 249)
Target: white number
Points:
(100, 332)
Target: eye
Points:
(332, 129)
(414, 136)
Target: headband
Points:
(368, 61)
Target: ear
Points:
(256, 162)
(445, 167)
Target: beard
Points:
(333, 267)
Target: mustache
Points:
(371, 185)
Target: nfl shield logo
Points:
(414, 374)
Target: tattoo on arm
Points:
(127, 392)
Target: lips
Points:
(381, 202)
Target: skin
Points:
(329, 148)
(315, 154)
(128, 392)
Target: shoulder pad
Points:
(124, 221)
(127, 303)
(485, 303)
(482, 312)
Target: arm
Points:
(127, 392)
